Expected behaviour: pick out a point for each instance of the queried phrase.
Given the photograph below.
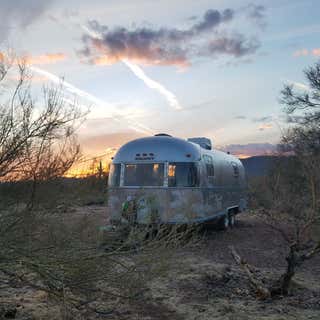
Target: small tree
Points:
(293, 184)
(295, 201)
(40, 248)
(295, 181)
(37, 137)
(33, 135)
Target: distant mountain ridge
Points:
(258, 165)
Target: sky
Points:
(187, 68)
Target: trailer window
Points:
(182, 174)
(114, 175)
(144, 175)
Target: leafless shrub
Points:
(308, 101)
(292, 193)
(48, 251)
(34, 136)
(67, 260)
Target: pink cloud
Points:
(305, 52)
(265, 126)
(301, 53)
(250, 149)
(48, 58)
(316, 52)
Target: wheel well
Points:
(234, 210)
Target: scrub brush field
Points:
(195, 278)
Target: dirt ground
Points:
(203, 281)
(206, 283)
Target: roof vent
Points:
(203, 142)
(162, 135)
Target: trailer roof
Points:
(158, 148)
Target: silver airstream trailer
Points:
(167, 180)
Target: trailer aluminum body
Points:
(163, 179)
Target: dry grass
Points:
(60, 264)
(62, 254)
(149, 278)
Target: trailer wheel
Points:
(232, 219)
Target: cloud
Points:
(316, 52)
(238, 46)
(19, 14)
(137, 71)
(300, 85)
(257, 13)
(297, 85)
(65, 17)
(265, 126)
(305, 52)
(240, 117)
(192, 18)
(211, 19)
(207, 38)
(262, 119)
(250, 149)
(238, 62)
(43, 59)
(301, 53)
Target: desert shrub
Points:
(65, 258)
(290, 202)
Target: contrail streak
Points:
(71, 88)
(83, 94)
(172, 99)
